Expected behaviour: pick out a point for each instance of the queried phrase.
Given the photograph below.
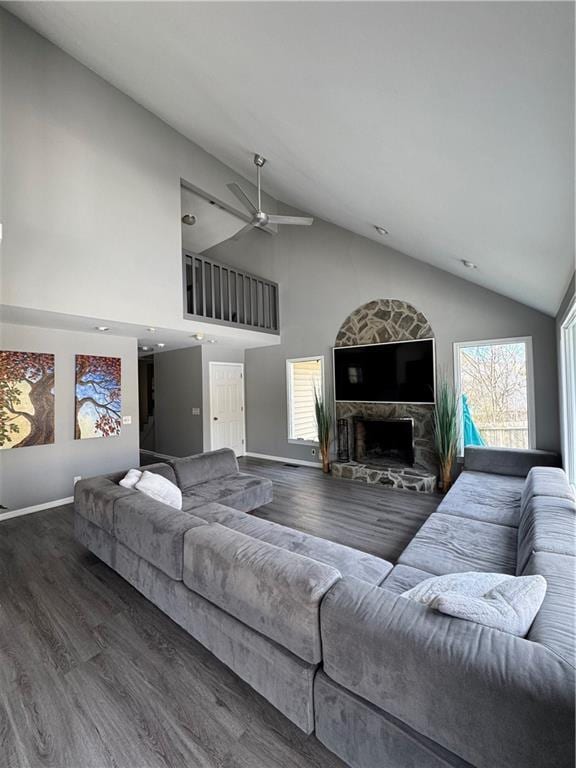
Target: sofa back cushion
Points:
(272, 590)
(193, 470)
(546, 481)
(153, 531)
(555, 624)
(548, 524)
(507, 461)
(95, 498)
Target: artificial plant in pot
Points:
(324, 424)
(446, 432)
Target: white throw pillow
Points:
(507, 603)
(131, 478)
(161, 489)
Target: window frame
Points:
(527, 341)
(289, 399)
(567, 403)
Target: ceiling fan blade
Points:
(303, 221)
(238, 192)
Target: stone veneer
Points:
(406, 479)
(376, 322)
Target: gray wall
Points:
(324, 273)
(181, 383)
(105, 174)
(177, 390)
(43, 473)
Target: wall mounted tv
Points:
(396, 372)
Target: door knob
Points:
(215, 418)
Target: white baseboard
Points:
(284, 460)
(36, 508)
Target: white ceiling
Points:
(450, 124)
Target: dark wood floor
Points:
(372, 518)
(92, 675)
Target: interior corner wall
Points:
(561, 316)
(39, 474)
(177, 392)
(324, 273)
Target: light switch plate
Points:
(126, 419)
(195, 411)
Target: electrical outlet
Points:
(78, 477)
(126, 419)
(313, 451)
(195, 411)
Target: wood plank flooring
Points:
(372, 518)
(92, 675)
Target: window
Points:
(304, 377)
(568, 374)
(495, 381)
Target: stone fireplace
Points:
(389, 443)
(384, 442)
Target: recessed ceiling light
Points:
(469, 264)
(198, 336)
(161, 344)
(381, 231)
(211, 341)
(151, 330)
(102, 328)
(144, 349)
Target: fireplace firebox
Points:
(384, 442)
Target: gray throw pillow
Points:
(507, 603)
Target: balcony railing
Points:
(229, 296)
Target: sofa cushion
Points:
(154, 531)
(449, 544)
(555, 624)
(548, 524)
(507, 461)
(485, 497)
(160, 468)
(241, 491)
(347, 561)
(95, 497)
(494, 699)
(402, 578)
(274, 591)
(193, 470)
(546, 481)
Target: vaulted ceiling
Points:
(449, 124)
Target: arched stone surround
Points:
(380, 321)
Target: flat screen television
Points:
(396, 372)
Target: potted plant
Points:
(324, 424)
(446, 432)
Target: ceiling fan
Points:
(261, 219)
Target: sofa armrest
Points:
(154, 531)
(508, 461)
(489, 697)
(272, 590)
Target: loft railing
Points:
(229, 296)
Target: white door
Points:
(227, 406)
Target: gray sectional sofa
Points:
(323, 631)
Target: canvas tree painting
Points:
(26, 399)
(98, 396)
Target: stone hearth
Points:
(403, 478)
